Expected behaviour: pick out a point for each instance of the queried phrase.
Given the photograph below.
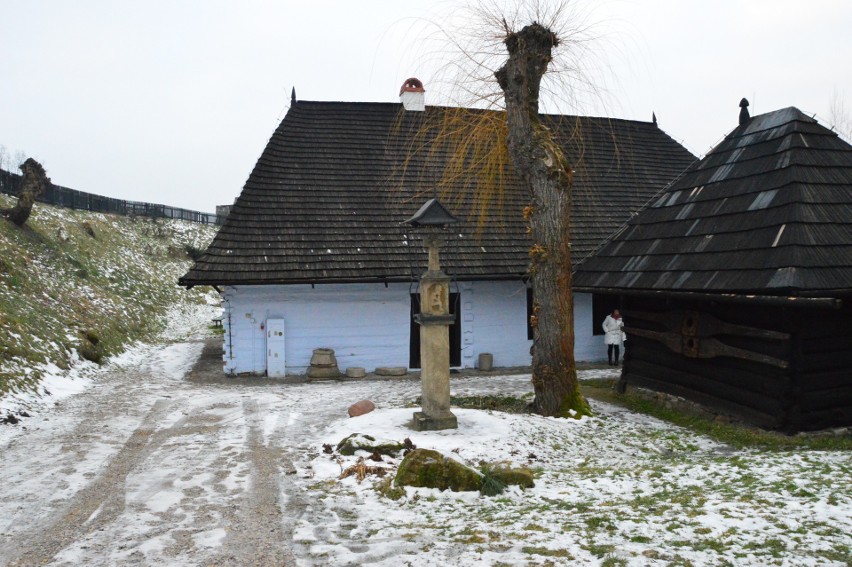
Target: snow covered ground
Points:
(149, 465)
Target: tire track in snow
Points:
(256, 533)
(97, 504)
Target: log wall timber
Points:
(788, 369)
(824, 360)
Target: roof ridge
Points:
(473, 108)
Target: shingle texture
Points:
(768, 210)
(327, 197)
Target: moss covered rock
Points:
(361, 442)
(430, 469)
(513, 477)
(496, 477)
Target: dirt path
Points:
(150, 468)
(164, 461)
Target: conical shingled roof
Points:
(768, 211)
(327, 197)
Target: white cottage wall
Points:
(587, 347)
(367, 325)
(494, 320)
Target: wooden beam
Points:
(777, 300)
(705, 347)
(703, 324)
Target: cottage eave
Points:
(810, 301)
(190, 283)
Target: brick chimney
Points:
(412, 95)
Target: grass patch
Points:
(469, 536)
(736, 435)
(600, 523)
(599, 551)
(508, 404)
(839, 554)
(386, 488)
(543, 551)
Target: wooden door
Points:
(275, 340)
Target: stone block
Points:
(423, 422)
(360, 408)
(368, 443)
(355, 372)
(391, 371)
(323, 373)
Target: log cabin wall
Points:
(823, 359)
(736, 359)
(762, 217)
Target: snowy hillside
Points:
(76, 285)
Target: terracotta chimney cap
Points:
(412, 85)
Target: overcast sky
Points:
(173, 101)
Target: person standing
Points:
(613, 327)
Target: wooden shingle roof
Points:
(767, 211)
(327, 197)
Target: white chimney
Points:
(412, 95)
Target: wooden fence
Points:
(10, 184)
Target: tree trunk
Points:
(34, 183)
(539, 162)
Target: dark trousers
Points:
(610, 350)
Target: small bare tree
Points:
(11, 160)
(839, 117)
(34, 183)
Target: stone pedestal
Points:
(434, 320)
(423, 422)
(355, 372)
(323, 365)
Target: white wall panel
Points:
(368, 325)
(494, 320)
(587, 348)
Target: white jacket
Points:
(613, 329)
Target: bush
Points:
(491, 485)
(88, 228)
(193, 252)
(91, 349)
(495, 478)
(92, 336)
(91, 353)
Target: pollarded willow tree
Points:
(33, 184)
(482, 144)
(541, 164)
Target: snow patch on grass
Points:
(619, 488)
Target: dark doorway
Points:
(602, 305)
(455, 332)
